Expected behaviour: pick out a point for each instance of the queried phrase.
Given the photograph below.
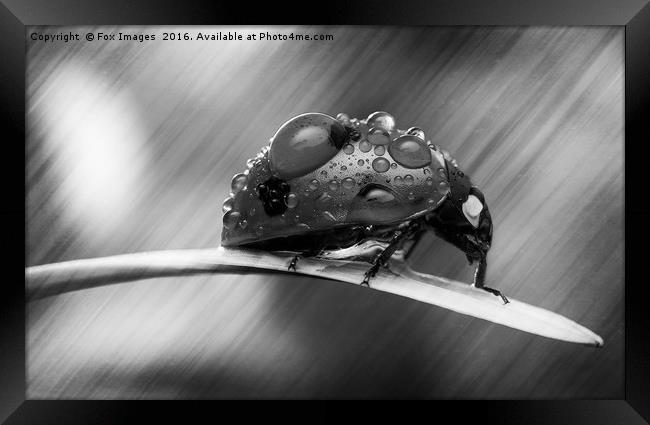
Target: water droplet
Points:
(408, 179)
(348, 149)
(227, 205)
(343, 118)
(250, 163)
(416, 131)
(343, 168)
(230, 219)
(461, 174)
(431, 202)
(427, 171)
(323, 173)
(380, 165)
(378, 136)
(410, 152)
(398, 180)
(303, 227)
(411, 196)
(380, 150)
(305, 143)
(364, 146)
(324, 198)
(328, 215)
(429, 181)
(348, 183)
(259, 230)
(238, 182)
(381, 119)
(393, 165)
(443, 186)
(334, 185)
(442, 173)
(360, 162)
(378, 194)
(291, 200)
(354, 122)
(243, 224)
(313, 185)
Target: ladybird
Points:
(325, 183)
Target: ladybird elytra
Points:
(313, 176)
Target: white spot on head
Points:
(472, 208)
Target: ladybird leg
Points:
(479, 280)
(396, 243)
(294, 260)
(292, 264)
(372, 271)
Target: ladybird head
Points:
(476, 211)
(464, 218)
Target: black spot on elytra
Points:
(353, 133)
(272, 193)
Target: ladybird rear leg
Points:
(479, 280)
(292, 264)
(294, 260)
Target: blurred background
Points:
(131, 147)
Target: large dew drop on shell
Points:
(238, 182)
(231, 219)
(305, 143)
(378, 136)
(375, 204)
(382, 120)
(410, 151)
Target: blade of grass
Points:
(53, 279)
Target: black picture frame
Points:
(633, 14)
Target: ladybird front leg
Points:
(479, 280)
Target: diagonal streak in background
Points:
(131, 147)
